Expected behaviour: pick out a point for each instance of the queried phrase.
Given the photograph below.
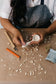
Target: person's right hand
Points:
(18, 39)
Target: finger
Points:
(41, 39)
(22, 41)
(34, 34)
(16, 41)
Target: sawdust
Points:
(30, 63)
(31, 66)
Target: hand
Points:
(41, 32)
(18, 39)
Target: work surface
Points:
(32, 66)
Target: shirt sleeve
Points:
(54, 11)
(5, 9)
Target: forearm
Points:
(7, 25)
(51, 28)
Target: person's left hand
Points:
(41, 32)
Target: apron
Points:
(36, 17)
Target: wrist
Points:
(47, 31)
(51, 28)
